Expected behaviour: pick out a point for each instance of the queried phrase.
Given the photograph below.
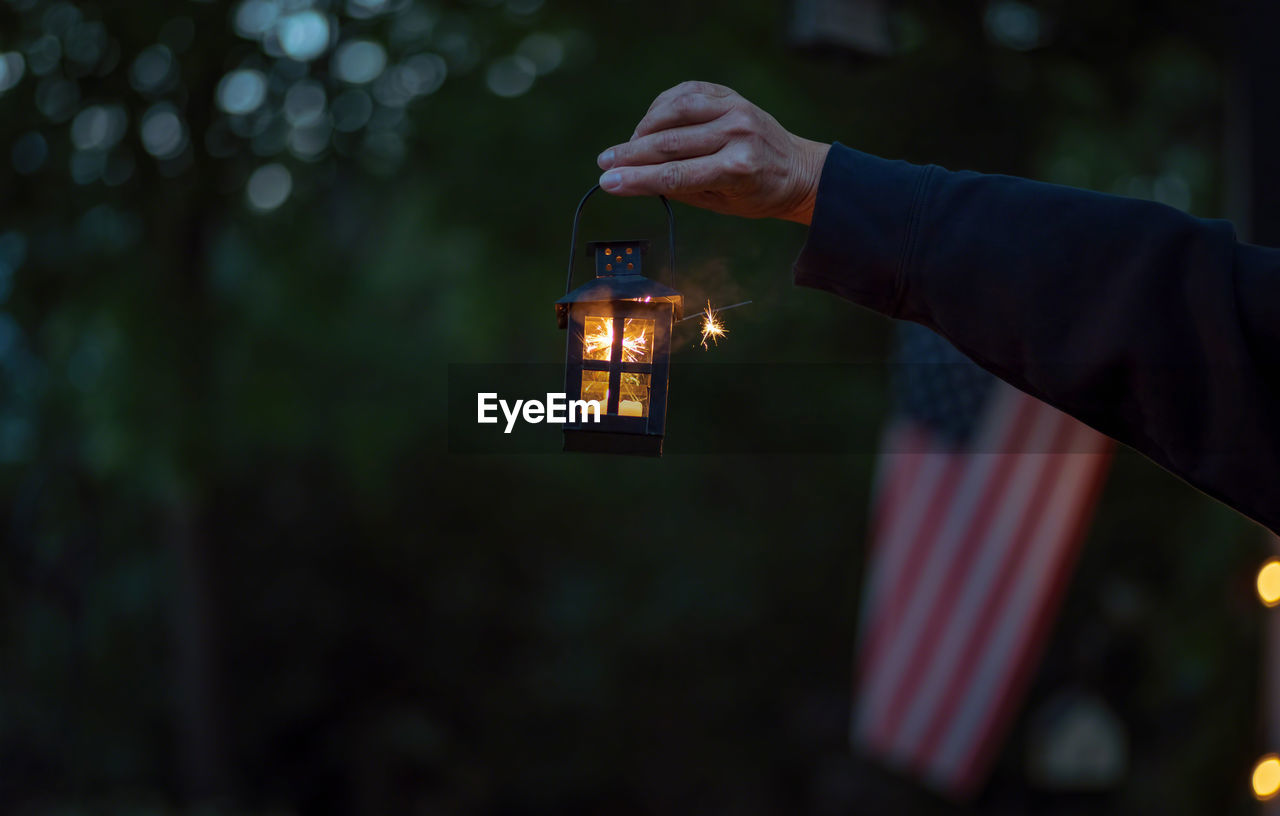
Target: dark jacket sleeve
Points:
(1156, 328)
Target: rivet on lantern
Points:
(618, 350)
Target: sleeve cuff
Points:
(860, 239)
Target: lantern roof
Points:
(618, 287)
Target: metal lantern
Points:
(619, 345)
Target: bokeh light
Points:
(545, 51)
(98, 127)
(309, 142)
(1269, 582)
(12, 67)
(422, 74)
(86, 167)
(86, 43)
(44, 54)
(1266, 777)
(304, 103)
(359, 61)
(254, 18)
(390, 91)
(304, 35)
(153, 70)
(242, 91)
(269, 187)
(511, 76)
(60, 17)
(1014, 24)
(163, 134)
(57, 98)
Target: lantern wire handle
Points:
(573, 237)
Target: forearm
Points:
(1123, 313)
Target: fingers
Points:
(684, 108)
(665, 145)
(676, 150)
(703, 88)
(670, 179)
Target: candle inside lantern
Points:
(633, 401)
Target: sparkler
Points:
(717, 311)
(712, 327)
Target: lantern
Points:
(618, 350)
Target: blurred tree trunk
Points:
(191, 325)
(202, 766)
(201, 743)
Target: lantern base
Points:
(603, 442)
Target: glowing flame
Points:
(712, 328)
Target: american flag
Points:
(982, 498)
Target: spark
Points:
(712, 328)
(634, 344)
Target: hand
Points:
(705, 145)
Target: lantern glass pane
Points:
(637, 340)
(597, 338)
(634, 399)
(595, 386)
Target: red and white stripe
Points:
(971, 550)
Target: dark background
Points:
(243, 570)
